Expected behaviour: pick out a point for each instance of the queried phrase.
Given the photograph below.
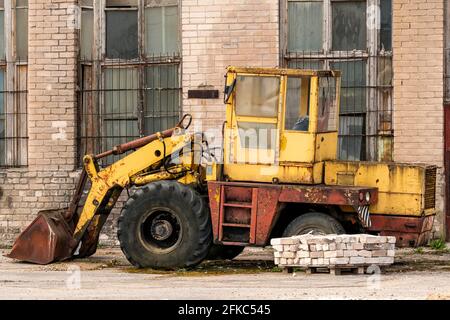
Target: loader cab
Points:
(281, 124)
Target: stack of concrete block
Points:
(334, 251)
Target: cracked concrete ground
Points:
(107, 275)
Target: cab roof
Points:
(284, 71)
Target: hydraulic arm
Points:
(61, 234)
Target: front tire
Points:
(165, 225)
(316, 223)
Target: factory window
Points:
(348, 25)
(353, 36)
(129, 71)
(13, 82)
(122, 32)
(161, 30)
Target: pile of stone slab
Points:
(334, 251)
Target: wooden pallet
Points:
(335, 270)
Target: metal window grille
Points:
(129, 78)
(13, 83)
(342, 35)
(133, 99)
(365, 126)
(13, 118)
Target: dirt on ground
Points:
(416, 274)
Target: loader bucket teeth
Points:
(48, 239)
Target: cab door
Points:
(298, 125)
(254, 122)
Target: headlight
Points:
(367, 196)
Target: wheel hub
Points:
(161, 229)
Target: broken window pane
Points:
(122, 34)
(120, 122)
(2, 35)
(349, 25)
(22, 30)
(161, 28)
(162, 107)
(257, 96)
(87, 34)
(305, 26)
(386, 25)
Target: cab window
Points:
(257, 96)
(327, 113)
(297, 104)
(257, 100)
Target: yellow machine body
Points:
(403, 189)
(308, 156)
(260, 142)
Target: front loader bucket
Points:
(47, 239)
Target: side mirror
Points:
(228, 91)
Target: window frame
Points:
(100, 62)
(326, 56)
(372, 38)
(14, 91)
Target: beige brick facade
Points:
(418, 44)
(215, 34)
(50, 176)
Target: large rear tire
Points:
(165, 225)
(314, 222)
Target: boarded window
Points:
(257, 96)
(161, 30)
(22, 30)
(162, 107)
(349, 25)
(87, 33)
(120, 120)
(122, 34)
(305, 25)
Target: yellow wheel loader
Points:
(278, 176)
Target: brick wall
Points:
(418, 40)
(49, 179)
(216, 34)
